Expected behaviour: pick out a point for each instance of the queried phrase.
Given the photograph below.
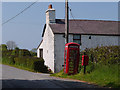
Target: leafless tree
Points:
(11, 45)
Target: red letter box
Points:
(85, 59)
(71, 58)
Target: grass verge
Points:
(102, 75)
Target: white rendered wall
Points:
(38, 53)
(98, 40)
(48, 48)
(38, 50)
(59, 50)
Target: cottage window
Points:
(77, 39)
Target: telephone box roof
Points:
(71, 43)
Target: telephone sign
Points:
(71, 58)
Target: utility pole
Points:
(66, 22)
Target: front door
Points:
(41, 53)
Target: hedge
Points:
(6, 53)
(22, 58)
(21, 52)
(8, 60)
(33, 63)
(3, 47)
(16, 52)
(24, 52)
(104, 54)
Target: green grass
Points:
(102, 75)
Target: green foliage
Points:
(17, 48)
(11, 60)
(104, 55)
(15, 52)
(102, 75)
(34, 54)
(18, 52)
(3, 47)
(22, 58)
(6, 53)
(8, 60)
(35, 64)
(24, 52)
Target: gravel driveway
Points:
(17, 78)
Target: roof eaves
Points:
(44, 30)
(40, 43)
(92, 34)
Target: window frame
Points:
(77, 39)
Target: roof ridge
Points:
(88, 20)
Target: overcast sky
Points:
(26, 29)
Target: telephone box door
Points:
(73, 60)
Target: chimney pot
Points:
(50, 6)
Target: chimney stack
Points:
(50, 15)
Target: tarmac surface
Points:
(17, 78)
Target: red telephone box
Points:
(71, 58)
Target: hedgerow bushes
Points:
(101, 56)
(35, 64)
(104, 54)
(23, 58)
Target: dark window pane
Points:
(76, 36)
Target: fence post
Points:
(84, 69)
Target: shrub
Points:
(15, 52)
(38, 66)
(34, 54)
(8, 60)
(104, 55)
(20, 52)
(17, 48)
(3, 47)
(35, 64)
(24, 52)
(6, 53)
(11, 60)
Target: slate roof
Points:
(96, 27)
(86, 27)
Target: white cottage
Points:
(88, 33)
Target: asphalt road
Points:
(17, 78)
